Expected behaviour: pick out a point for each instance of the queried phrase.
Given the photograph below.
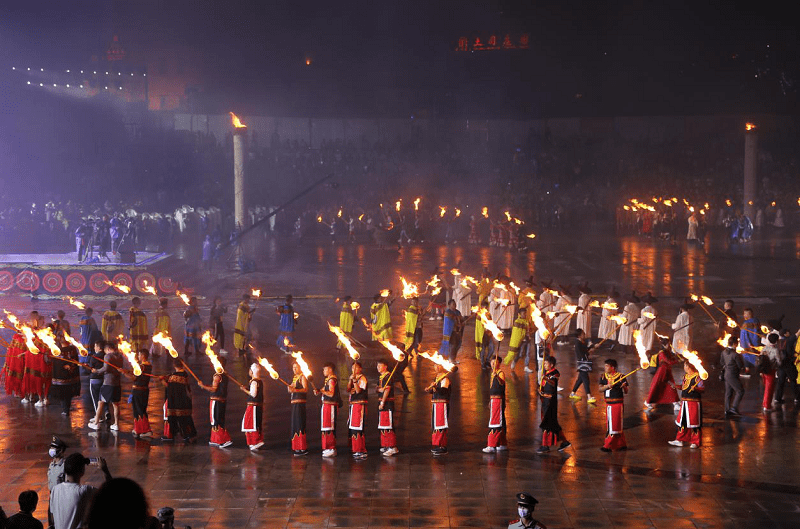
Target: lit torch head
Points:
(724, 340)
(27, 332)
(707, 300)
(531, 236)
(442, 211)
(488, 324)
(263, 362)
(397, 353)
(416, 204)
(641, 349)
(694, 359)
(485, 212)
(127, 349)
(609, 305)
(298, 357)
(355, 355)
(183, 296)
(410, 290)
(385, 293)
(76, 303)
(731, 323)
(764, 329)
(618, 319)
(536, 316)
(398, 205)
(119, 286)
(209, 341)
(49, 339)
(164, 341)
(436, 358)
(458, 212)
(255, 292)
(237, 123)
(76, 344)
(147, 288)
(595, 304)
(649, 315)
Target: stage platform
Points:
(61, 274)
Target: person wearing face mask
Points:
(55, 471)
(525, 505)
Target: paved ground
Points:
(746, 474)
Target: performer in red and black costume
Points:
(496, 441)
(66, 379)
(440, 409)
(690, 419)
(548, 392)
(385, 391)
(38, 374)
(217, 406)
(179, 404)
(614, 391)
(357, 387)
(331, 402)
(14, 368)
(253, 415)
(299, 391)
(140, 396)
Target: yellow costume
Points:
(112, 326)
(138, 327)
(163, 322)
(412, 316)
(346, 319)
(479, 330)
(381, 321)
(518, 334)
(243, 316)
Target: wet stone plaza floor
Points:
(746, 474)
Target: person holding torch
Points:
(385, 391)
(440, 409)
(298, 389)
(690, 419)
(614, 387)
(357, 387)
(251, 422)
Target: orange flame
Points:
(724, 340)
(488, 324)
(648, 314)
(641, 349)
(416, 204)
(458, 212)
(398, 204)
(485, 212)
(75, 343)
(183, 296)
(618, 319)
(693, 359)
(397, 353)
(73, 301)
(255, 292)
(49, 339)
(410, 290)
(298, 357)
(149, 289)
(164, 341)
(119, 286)
(355, 355)
(750, 126)
(436, 358)
(127, 349)
(442, 211)
(237, 123)
(271, 370)
(536, 316)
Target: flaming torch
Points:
(398, 205)
(183, 296)
(436, 358)
(126, 349)
(397, 354)
(119, 286)
(164, 341)
(538, 321)
(76, 344)
(442, 211)
(271, 370)
(76, 303)
(298, 357)
(343, 338)
(239, 148)
(416, 204)
(49, 339)
(209, 341)
(435, 283)
(149, 289)
(485, 212)
(641, 349)
(488, 324)
(410, 290)
(694, 359)
(619, 320)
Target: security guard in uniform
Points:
(525, 505)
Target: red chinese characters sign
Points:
(493, 41)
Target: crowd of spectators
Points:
(178, 183)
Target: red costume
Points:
(614, 396)
(661, 390)
(14, 368)
(690, 418)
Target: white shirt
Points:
(69, 503)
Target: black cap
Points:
(58, 443)
(165, 514)
(523, 498)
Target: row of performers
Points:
(178, 420)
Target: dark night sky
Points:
(396, 58)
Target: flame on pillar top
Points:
(237, 123)
(750, 126)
